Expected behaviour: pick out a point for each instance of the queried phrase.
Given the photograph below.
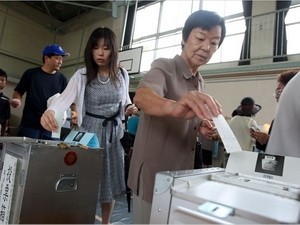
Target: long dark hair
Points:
(111, 42)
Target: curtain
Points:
(280, 41)
(245, 52)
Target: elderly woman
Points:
(173, 110)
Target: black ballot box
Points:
(48, 182)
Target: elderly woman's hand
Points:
(196, 104)
(131, 110)
(207, 129)
(48, 120)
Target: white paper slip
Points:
(60, 120)
(227, 136)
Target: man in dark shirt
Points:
(4, 104)
(39, 84)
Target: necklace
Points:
(105, 81)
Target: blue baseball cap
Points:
(54, 50)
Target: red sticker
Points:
(70, 158)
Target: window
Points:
(174, 14)
(292, 23)
(160, 36)
(232, 11)
(224, 8)
(230, 49)
(144, 27)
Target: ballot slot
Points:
(271, 186)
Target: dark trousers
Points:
(198, 156)
(35, 133)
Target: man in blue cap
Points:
(39, 84)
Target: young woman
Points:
(100, 93)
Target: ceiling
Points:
(64, 11)
(56, 15)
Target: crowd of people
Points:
(170, 109)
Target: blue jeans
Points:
(35, 133)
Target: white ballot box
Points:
(254, 188)
(48, 182)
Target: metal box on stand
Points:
(48, 182)
(254, 188)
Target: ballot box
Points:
(254, 188)
(48, 182)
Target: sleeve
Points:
(155, 79)
(24, 83)
(253, 123)
(126, 78)
(67, 97)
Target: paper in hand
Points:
(59, 117)
(230, 142)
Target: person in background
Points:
(205, 159)
(127, 142)
(284, 139)
(74, 120)
(4, 105)
(39, 84)
(100, 93)
(132, 124)
(173, 110)
(234, 113)
(243, 122)
(262, 138)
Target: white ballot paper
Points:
(230, 142)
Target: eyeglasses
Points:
(277, 92)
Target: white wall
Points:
(230, 92)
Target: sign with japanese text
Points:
(7, 187)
